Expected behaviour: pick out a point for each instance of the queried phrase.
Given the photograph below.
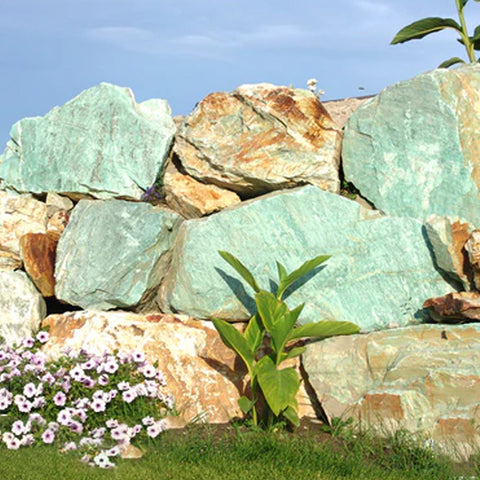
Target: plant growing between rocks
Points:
(274, 319)
(426, 26)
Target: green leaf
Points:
(270, 309)
(307, 267)
(282, 272)
(323, 329)
(240, 268)
(254, 332)
(426, 26)
(279, 387)
(294, 352)
(451, 61)
(476, 38)
(277, 318)
(464, 2)
(291, 415)
(233, 339)
(246, 404)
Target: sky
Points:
(182, 50)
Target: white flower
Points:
(312, 84)
(102, 461)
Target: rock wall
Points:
(107, 204)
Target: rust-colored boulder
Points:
(261, 138)
(38, 255)
(456, 307)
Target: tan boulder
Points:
(192, 198)
(38, 252)
(19, 214)
(424, 379)
(340, 110)
(260, 138)
(205, 376)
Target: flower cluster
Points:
(82, 401)
(312, 86)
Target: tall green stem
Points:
(466, 39)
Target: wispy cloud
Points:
(215, 43)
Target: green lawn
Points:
(207, 453)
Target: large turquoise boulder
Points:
(415, 149)
(379, 275)
(113, 253)
(101, 143)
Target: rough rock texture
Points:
(448, 239)
(424, 378)
(38, 255)
(456, 307)
(19, 214)
(194, 199)
(205, 377)
(58, 222)
(22, 308)
(414, 148)
(260, 138)
(101, 143)
(57, 203)
(113, 253)
(472, 248)
(342, 109)
(379, 275)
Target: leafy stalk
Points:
(426, 26)
(278, 387)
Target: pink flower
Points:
(138, 357)
(129, 395)
(59, 399)
(48, 436)
(103, 380)
(28, 342)
(13, 444)
(98, 405)
(149, 371)
(43, 336)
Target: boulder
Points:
(472, 248)
(100, 144)
(448, 240)
(205, 377)
(455, 307)
(22, 308)
(380, 273)
(38, 256)
(113, 253)
(342, 109)
(57, 203)
(260, 138)
(424, 379)
(19, 215)
(414, 149)
(192, 198)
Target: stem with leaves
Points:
(426, 26)
(278, 387)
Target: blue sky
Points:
(182, 50)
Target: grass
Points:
(218, 453)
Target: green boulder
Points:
(379, 275)
(101, 143)
(113, 253)
(415, 150)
